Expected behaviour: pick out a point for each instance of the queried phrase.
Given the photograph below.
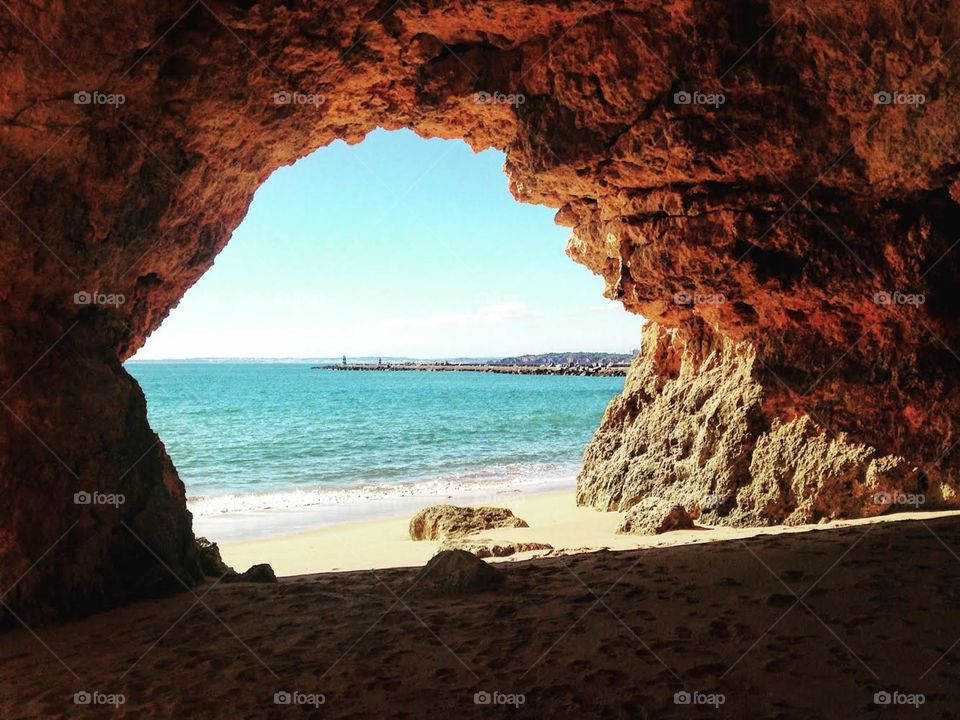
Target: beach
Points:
(773, 624)
(266, 449)
(553, 518)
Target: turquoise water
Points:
(264, 448)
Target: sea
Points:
(271, 448)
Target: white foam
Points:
(237, 516)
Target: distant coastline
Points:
(579, 370)
(571, 363)
(578, 359)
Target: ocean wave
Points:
(472, 486)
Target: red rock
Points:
(796, 201)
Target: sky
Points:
(395, 247)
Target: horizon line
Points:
(310, 358)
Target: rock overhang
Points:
(811, 214)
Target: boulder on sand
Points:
(438, 522)
(455, 572)
(262, 573)
(485, 547)
(211, 563)
(655, 518)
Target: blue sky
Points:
(397, 246)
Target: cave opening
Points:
(774, 185)
(393, 251)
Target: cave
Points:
(774, 185)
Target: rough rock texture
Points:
(654, 517)
(262, 573)
(773, 219)
(485, 547)
(213, 566)
(438, 522)
(455, 572)
(211, 563)
(694, 428)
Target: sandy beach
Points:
(840, 621)
(554, 519)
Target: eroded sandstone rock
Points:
(694, 428)
(455, 572)
(261, 573)
(803, 224)
(439, 522)
(485, 547)
(211, 564)
(653, 517)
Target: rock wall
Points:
(809, 217)
(693, 428)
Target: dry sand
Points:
(785, 624)
(554, 518)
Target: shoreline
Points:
(266, 516)
(553, 516)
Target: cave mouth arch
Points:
(856, 199)
(393, 249)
